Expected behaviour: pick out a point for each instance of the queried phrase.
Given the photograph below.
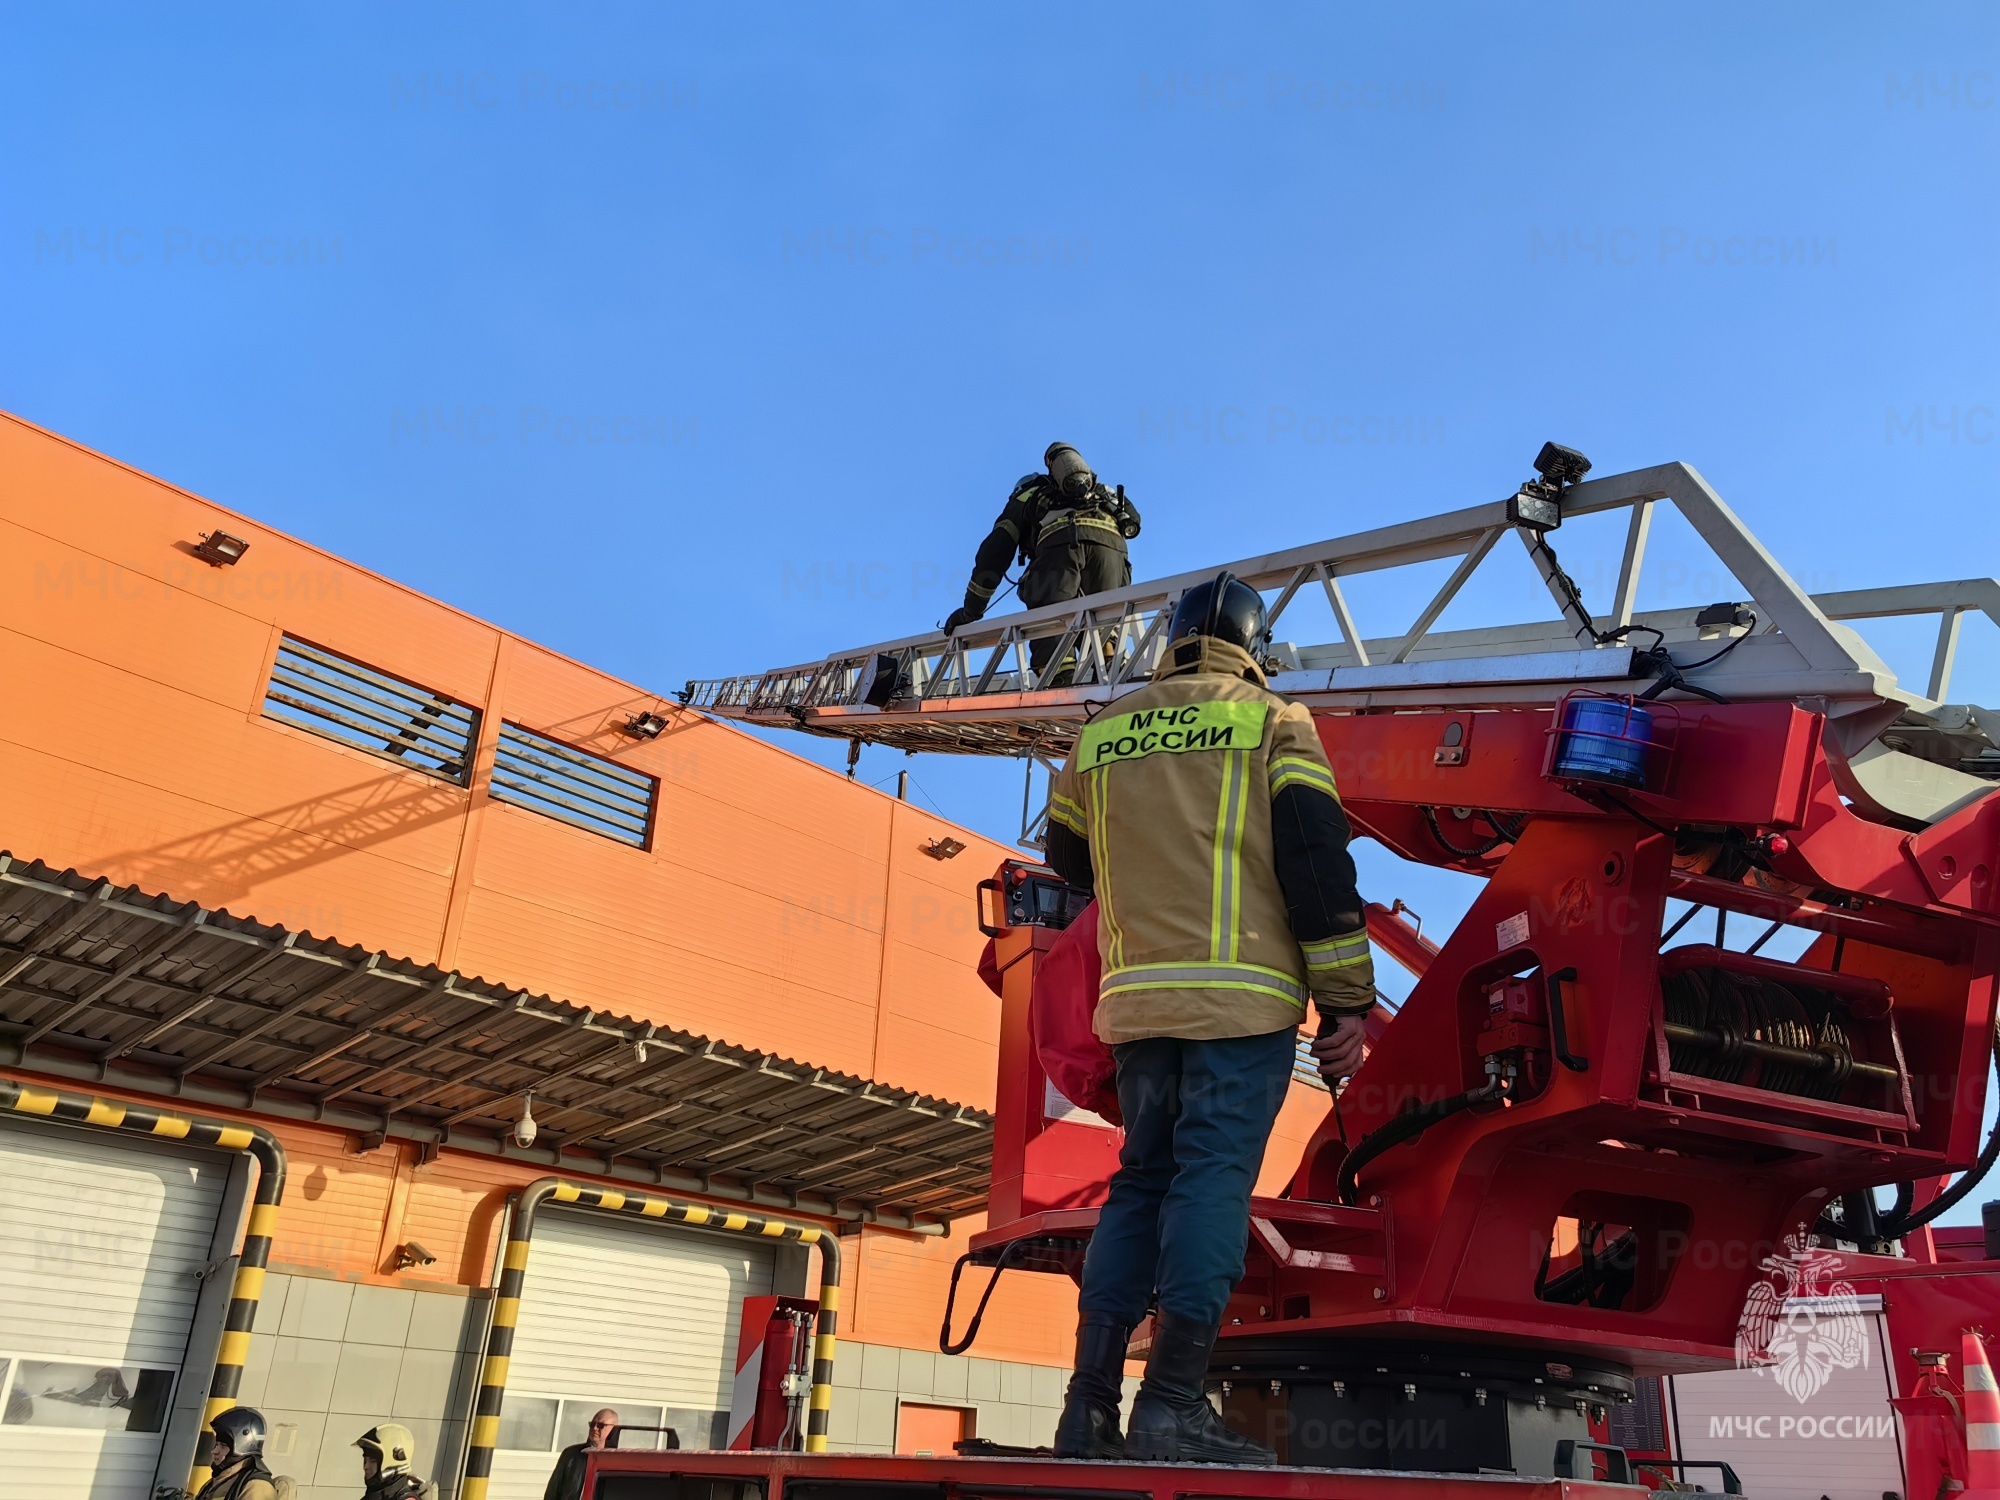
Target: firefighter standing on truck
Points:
(1202, 814)
(1070, 531)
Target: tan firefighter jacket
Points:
(1212, 826)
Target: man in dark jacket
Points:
(566, 1483)
(1071, 532)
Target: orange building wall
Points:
(780, 908)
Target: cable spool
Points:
(1760, 1032)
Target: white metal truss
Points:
(976, 692)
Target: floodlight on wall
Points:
(945, 848)
(220, 550)
(647, 726)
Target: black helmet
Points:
(241, 1430)
(1225, 607)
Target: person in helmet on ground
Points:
(236, 1458)
(1201, 812)
(1070, 531)
(387, 1452)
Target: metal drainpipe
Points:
(514, 1265)
(141, 1119)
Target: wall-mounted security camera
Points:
(412, 1254)
(525, 1128)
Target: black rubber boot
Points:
(1172, 1421)
(1088, 1427)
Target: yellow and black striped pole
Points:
(485, 1433)
(143, 1119)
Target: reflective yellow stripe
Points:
(104, 1112)
(249, 1284)
(1066, 812)
(233, 1137)
(234, 1348)
(654, 1208)
(1204, 976)
(506, 1311)
(174, 1126)
(517, 1255)
(1297, 770)
(1337, 953)
(494, 1372)
(263, 1221)
(35, 1101)
(1098, 796)
(485, 1432)
(829, 1296)
(1218, 875)
(566, 1192)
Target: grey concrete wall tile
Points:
(1016, 1383)
(301, 1374)
(365, 1384)
(948, 1377)
(842, 1419)
(256, 1369)
(999, 1422)
(1042, 1423)
(316, 1309)
(875, 1418)
(292, 1444)
(880, 1366)
(380, 1315)
(847, 1366)
(437, 1320)
(916, 1372)
(339, 1460)
(271, 1306)
(982, 1379)
(1048, 1383)
(423, 1390)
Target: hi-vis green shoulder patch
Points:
(1173, 731)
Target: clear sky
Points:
(697, 340)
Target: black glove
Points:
(963, 615)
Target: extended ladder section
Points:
(977, 692)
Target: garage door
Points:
(99, 1244)
(641, 1319)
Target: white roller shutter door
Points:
(638, 1317)
(100, 1239)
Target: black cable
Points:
(979, 1312)
(1407, 1127)
(1483, 847)
(1899, 1220)
(1623, 806)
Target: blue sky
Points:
(692, 341)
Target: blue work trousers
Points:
(1197, 1116)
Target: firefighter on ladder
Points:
(1070, 531)
(1202, 814)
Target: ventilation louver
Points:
(315, 689)
(535, 772)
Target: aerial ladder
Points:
(1574, 1153)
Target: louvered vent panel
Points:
(316, 689)
(535, 772)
